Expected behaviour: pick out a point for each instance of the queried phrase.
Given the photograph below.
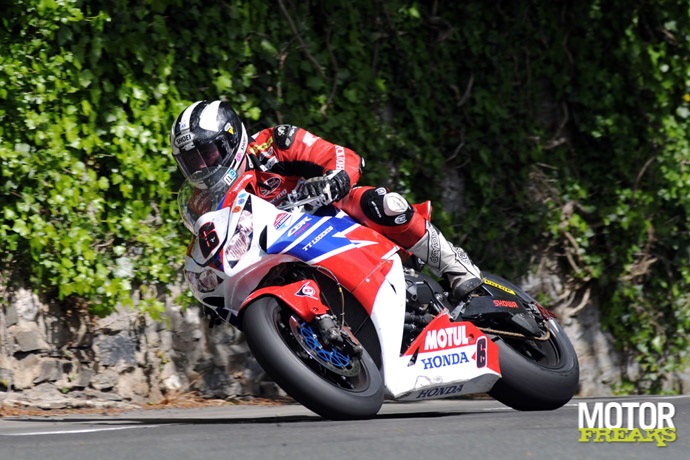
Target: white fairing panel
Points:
(225, 264)
(447, 358)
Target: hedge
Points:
(535, 128)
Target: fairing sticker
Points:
(446, 358)
(315, 238)
(323, 240)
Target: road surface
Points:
(439, 429)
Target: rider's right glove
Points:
(331, 187)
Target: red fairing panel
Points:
(363, 269)
(304, 297)
(442, 334)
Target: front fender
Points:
(303, 297)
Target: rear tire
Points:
(537, 375)
(350, 389)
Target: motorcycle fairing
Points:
(367, 265)
(323, 240)
(220, 285)
(446, 358)
(315, 239)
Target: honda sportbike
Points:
(338, 316)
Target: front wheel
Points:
(329, 381)
(537, 375)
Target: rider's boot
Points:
(447, 260)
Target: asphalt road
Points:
(441, 429)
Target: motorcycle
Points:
(342, 318)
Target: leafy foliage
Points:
(532, 126)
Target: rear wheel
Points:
(327, 380)
(536, 374)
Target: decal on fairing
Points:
(237, 192)
(496, 285)
(505, 303)
(307, 290)
(300, 226)
(446, 338)
(314, 238)
(481, 352)
(281, 220)
(440, 391)
(208, 239)
(458, 357)
(446, 359)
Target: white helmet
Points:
(209, 143)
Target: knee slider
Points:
(394, 204)
(386, 208)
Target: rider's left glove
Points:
(330, 187)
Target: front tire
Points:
(347, 388)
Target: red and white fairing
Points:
(226, 262)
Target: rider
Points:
(212, 148)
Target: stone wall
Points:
(53, 358)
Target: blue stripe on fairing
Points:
(312, 236)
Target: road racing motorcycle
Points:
(342, 318)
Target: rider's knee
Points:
(385, 207)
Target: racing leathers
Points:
(284, 155)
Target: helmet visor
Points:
(200, 159)
(207, 164)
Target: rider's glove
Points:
(331, 187)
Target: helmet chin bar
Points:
(217, 178)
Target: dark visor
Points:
(206, 156)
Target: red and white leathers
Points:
(287, 153)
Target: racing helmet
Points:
(209, 143)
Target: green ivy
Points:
(563, 128)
